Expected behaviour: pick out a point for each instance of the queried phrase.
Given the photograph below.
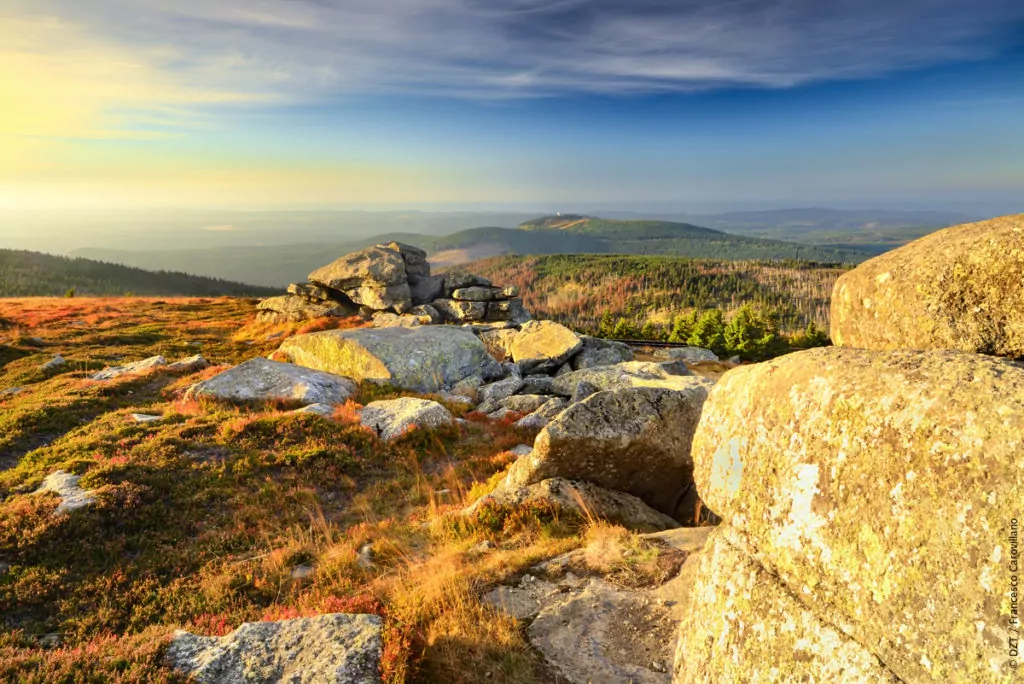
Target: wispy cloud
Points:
(221, 229)
(308, 49)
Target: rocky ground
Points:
(195, 490)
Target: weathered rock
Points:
(146, 418)
(743, 625)
(134, 368)
(65, 485)
(544, 345)
(456, 280)
(875, 485)
(496, 391)
(386, 319)
(293, 309)
(508, 292)
(499, 342)
(537, 384)
(56, 362)
(510, 310)
(602, 635)
(958, 288)
(583, 390)
(468, 387)
(427, 314)
(264, 380)
(543, 415)
(587, 500)
(458, 312)
(189, 364)
(381, 297)
(425, 289)
(476, 294)
(313, 293)
(524, 403)
(634, 440)
(379, 265)
(423, 359)
(337, 648)
(599, 352)
(671, 375)
(415, 258)
(392, 417)
(689, 354)
(10, 391)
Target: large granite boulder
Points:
(425, 289)
(423, 359)
(499, 342)
(415, 259)
(374, 277)
(742, 625)
(960, 289)
(511, 310)
(668, 375)
(391, 418)
(544, 346)
(337, 648)
(688, 354)
(260, 379)
(878, 487)
(634, 440)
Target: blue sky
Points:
(319, 103)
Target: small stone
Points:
(56, 362)
(320, 409)
(65, 485)
(146, 418)
(10, 391)
(521, 450)
(365, 556)
(301, 572)
(393, 417)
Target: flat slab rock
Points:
(337, 648)
(592, 632)
(423, 359)
(261, 379)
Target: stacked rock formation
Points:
(392, 285)
(870, 494)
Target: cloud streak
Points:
(304, 50)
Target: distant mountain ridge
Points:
(278, 265)
(30, 274)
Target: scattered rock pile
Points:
(391, 284)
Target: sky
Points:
(301, 104)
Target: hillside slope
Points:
(29, 274)
(576, 290)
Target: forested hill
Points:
(29, 274)
(577, 290)
(588, 235)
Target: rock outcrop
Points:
(391, 418)
(192, 363)
(634, 440)
(422, 359)
(328, 649)
(264, 380)
(393, 278)
(877, 487)
(959, 289)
